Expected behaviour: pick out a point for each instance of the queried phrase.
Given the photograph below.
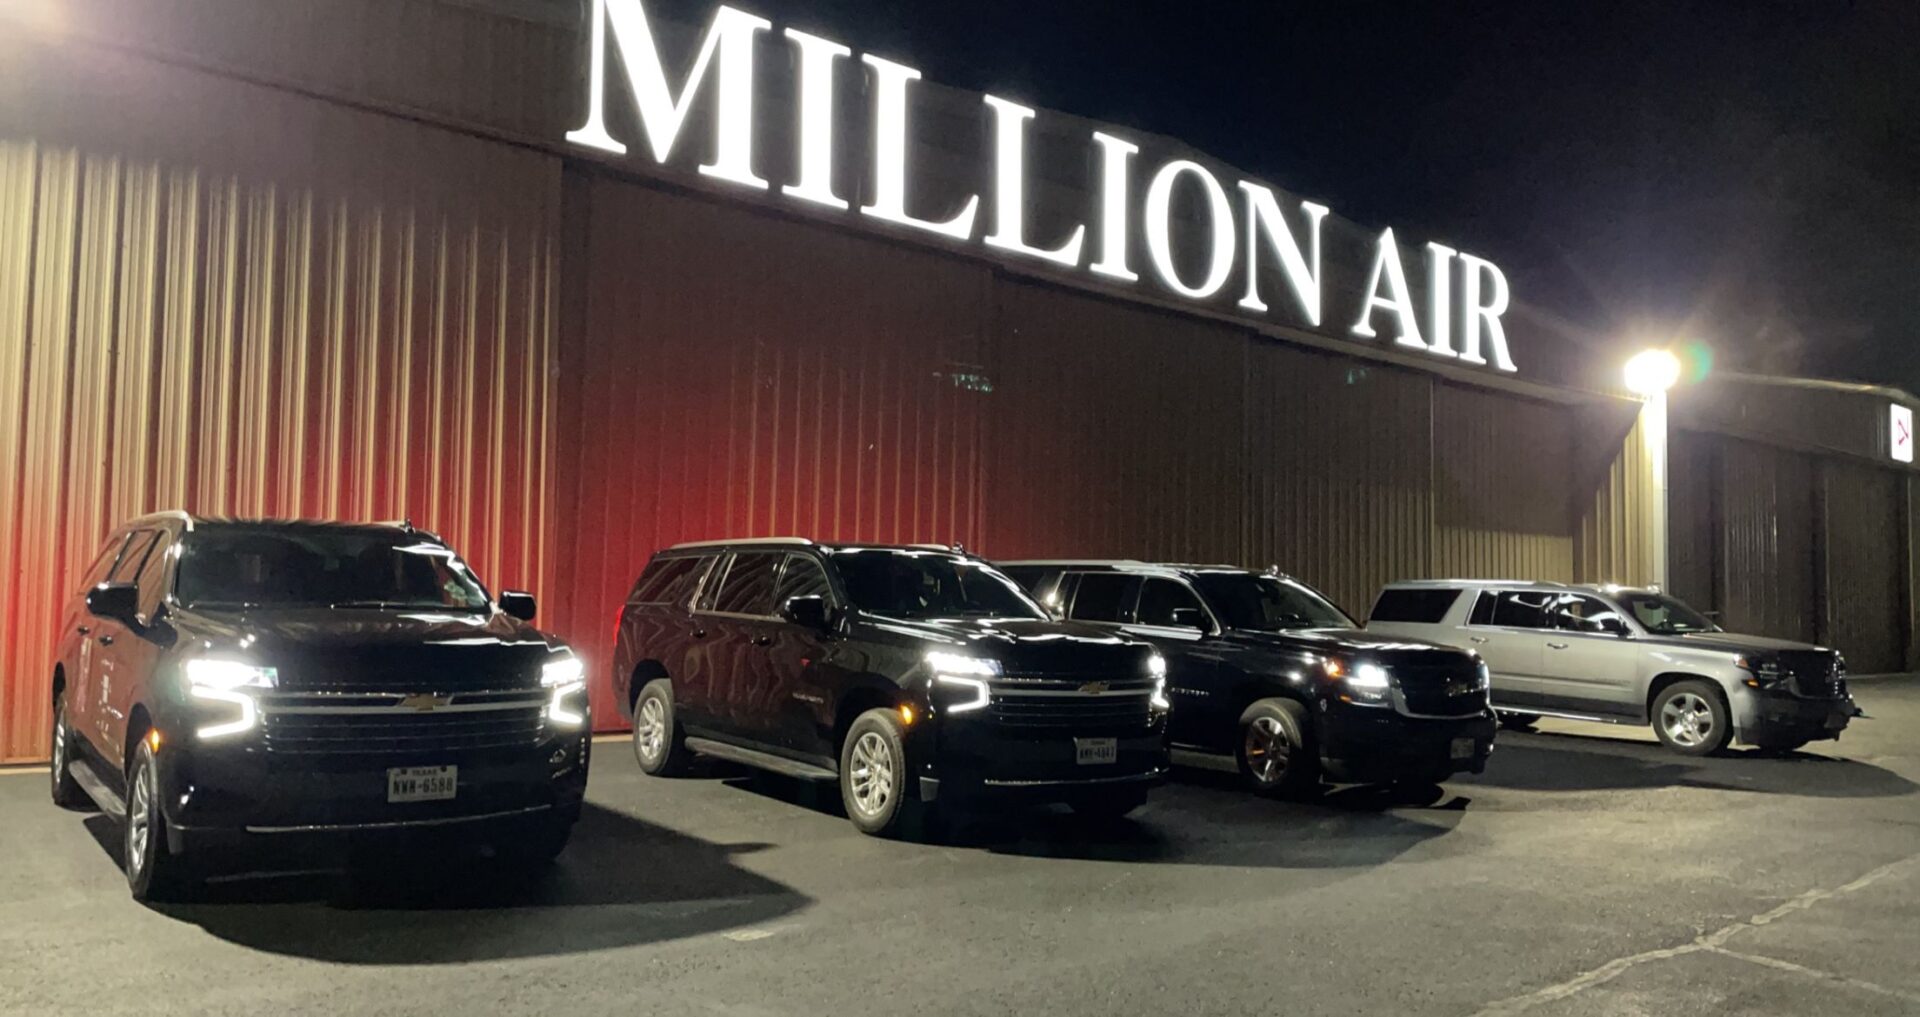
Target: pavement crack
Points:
(1713, 942)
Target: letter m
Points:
(662, 113)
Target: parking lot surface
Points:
(1587, 872)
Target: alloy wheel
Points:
(139, 820)
(872, 777)
(650, 728)
(1266, 750)
(1687, 719)
(59, 762)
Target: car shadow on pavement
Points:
(1542, 761)
(1198, 819)
(622, 881)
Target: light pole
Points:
(1649, 374)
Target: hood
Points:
(367, 649)
(1378, 646)
(1028, 646)
(1734, 642)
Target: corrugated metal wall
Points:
(347, 316)
(1865, 599)
(1766, 497)
(1614, 486)
(1503, 495)
(1693, 532)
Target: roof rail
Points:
(768, 541)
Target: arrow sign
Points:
(1900, 433)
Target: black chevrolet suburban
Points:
(915, 677)
(221, 679)
(1269, 676)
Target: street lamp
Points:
(1649, 374)
(1652, 372)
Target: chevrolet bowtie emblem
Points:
(425, 702)
(1094, 688)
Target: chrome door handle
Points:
(1476, 639)
(763, 640)
(1557, 646)
(106, 640)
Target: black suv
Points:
(223, 678)
(910, 675)
(1267, 673)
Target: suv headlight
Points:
(1157, 669)
(230, 684)
(1365, 684)
(1766, 672)
(1483, 676)
(567, 677)
(960, 681)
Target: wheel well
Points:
(1663, 682)
(137, 724)
(59, 680)
(856, 703)
(643, 672)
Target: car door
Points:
(1591, 660)
(79, 640)
(1508, 628)
(1170, 615)
(738, 692)
(807, 687)
(113, 671)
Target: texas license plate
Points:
(1094, 751)
(1463, 748)
(421, 783)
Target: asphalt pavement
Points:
(1587, 872)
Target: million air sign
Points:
(1188, 230)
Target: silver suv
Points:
(1627, 656)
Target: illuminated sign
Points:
(1242, 226)
(1900, 433)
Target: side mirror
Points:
(808, 612)
(116, 601)
(519, 605)
(1190, 618)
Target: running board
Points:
(97, 789)
(761, 760)
(1591, 718)
(1204, 760)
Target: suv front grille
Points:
(401, 724)
(1445, 691)
(1815, 675)
(1089, 704)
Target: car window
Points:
(803, 577)
(667, 580)
(109, 557)
(1522, 609)
(1421, 606)
(929, 584)
(1028, 576)
(244, 566)
(1104, 597)
(151, 577)
(1576, 613)
(1267, 603)
(1483, 609)
(1160, 598)
(1657, 612)
(135, 555)
(748, 586)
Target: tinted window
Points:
(748, 587)
(1243, 600)
(803, 578)
(1104, 597)
(134, 556)
(1160, 598)
(1576, 613)
(1421, 606)
(930, 584)
(109, 557)
(667, 580)
(1522, 610)
(1483, 610)
(152, 577)
(1660, 613)
(245, 566)
(1028, 576)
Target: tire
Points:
(1782, 748)
(1518, 721)
(66, 791)
(1110, 806)
(153, 872)
(874, 776)
(1691, 718)
(658, 743)
(1276, 755)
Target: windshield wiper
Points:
(379, 605)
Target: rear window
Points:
(1104, 597)
(1420, 606)
(667, 580)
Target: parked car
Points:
(914, 677)
(220, 678)
(1266, 673)
(1627, 655)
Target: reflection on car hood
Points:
(1026, 645)
(316, 648)
(1375, 645)
(1735, 642)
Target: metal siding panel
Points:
(1864, 595)
(233, 326)
(1614, 483)
(1767, 560)
(1503, 503)
(1693, 524)
(741, 375)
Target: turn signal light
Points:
(906, 714)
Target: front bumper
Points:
(959, 759)
(1764, 717)
(244, 788)
(1362, 744)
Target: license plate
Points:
(421, 783)
(1463, 748)
(1095, 751)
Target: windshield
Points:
(924, 584)
(1664, 615)
(1268, 603)
(234, 568)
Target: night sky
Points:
(1744, 175)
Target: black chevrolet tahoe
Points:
(915, 677)
(220, 681)
(1268, 676)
